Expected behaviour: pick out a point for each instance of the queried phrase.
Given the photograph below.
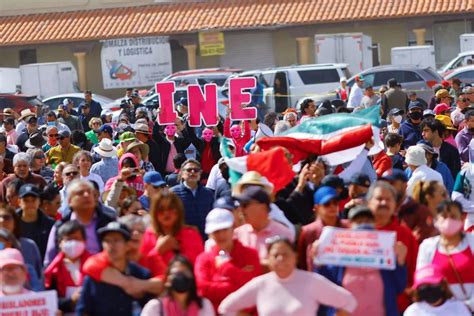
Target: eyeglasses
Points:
(190, 170)
(53, 135)
(40, 157)
(71, 174)
(6, 217)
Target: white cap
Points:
(218, 219)
(428, 112)
(415, 156)
(66, 101)
(342, 79)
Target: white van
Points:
(295, 82)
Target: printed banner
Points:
(356, 248)
(135, 62)
(211, 43)
(31, 304)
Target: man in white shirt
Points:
(356, 95)
(416, 161)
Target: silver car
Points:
(411, 78)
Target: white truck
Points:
(419, 56)
(9, 80)
(354, 49)
(467, 42)
(48, 79)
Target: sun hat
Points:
(106, 148)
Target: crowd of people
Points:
(128, 217)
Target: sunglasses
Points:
(40, 157)
(71, 174)
(53, 135)
(195, 170)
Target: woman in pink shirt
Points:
(168, 235)
(287, 290)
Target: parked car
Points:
(465, 74)
(19, 102)
(78, 98)
(462, 59)
(298, 81)
(411, 78)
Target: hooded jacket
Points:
(135, 182)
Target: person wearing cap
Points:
(100, 298)
(356, 94)
(95, 107)
(431, 295)
(13, 273)
(432, 131)
(196, 198)
(64, 151)
(464, 136)
(31, 127)
(443, 96)
(141, 152)
(34, 224)
(410, 128)
(428, 114)
(255, 205)
(382, 202)
(125, 139)
(384, 285)
(153, 185)
(343, 91)
(442, 109)
(71, 121)
(143, 134)
(85, 116)
(107, 167)
(326, 208)
(395, 116)
(395, 96)
(357, 189)
(69, 106)
(416, 160)
(10, 132)
(228, 265)
(452, 251)
(450, 131)
(21, 170)
(433, 163)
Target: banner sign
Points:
(32, 304)
(356, 248)
(135, 62)
(211, 43)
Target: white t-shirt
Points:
(450, 307)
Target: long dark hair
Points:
(192, 295)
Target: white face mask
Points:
(397, 118)
(73, 248)
(12, 289)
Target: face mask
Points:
(236, 131)
(431, 294)
(51, 123)
(416, 115)
(73, 248)
(449, 226)
(12, 289)
(207, 135)
(397, 118)
(170, 130)
(181, 283)
(365, 226)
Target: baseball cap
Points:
(394, 175)
(440, 108)
(11, 256)
(395, 111)
(324, 194)
(430, 274)
(428, 112)
(359, 78)
(359, 210)
(427, 146)
(415, 156)
(332, 181)
(442, 93)
(28, 190)
(360, 179)
(218, 219)
(154, 178)
(253, 193)
(415, 105)
(66, 101)
(114, 227)
(64, 133)
(106, 128)
(135, 95)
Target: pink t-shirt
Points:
(256, 240)
(367, 286)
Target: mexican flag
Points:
(338, 137)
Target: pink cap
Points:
(11, 256)
(440, 108)
(430, 274)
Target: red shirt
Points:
(207, 159)
(190, 241)
(216, 283)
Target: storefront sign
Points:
(356, 248)
(211, 43)
(135, 62)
